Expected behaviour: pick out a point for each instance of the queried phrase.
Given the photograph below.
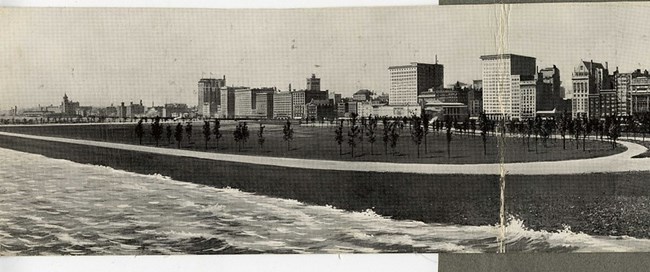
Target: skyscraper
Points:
(588, 79)
(408, 81)
(501, 84)
(209, 95)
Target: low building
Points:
(320, 110)
(362, 95)
(396, 111)
(175, 110)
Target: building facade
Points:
(300, 98)
(409, 81)
(282, 105)
(501, 84)
(68, 107)
(528, 99)
(209, 95)
(549, 94)
(640, 94)
(313, 83)
(227, 107)
(587, 79)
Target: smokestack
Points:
(606, 66)
(290, 87)
(140, 102)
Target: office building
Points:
(501, 84)
(409, 81)
(209, 96)
(282, 105)
(588, 79)
(548, 95)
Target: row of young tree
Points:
(241, 133)
(362, 130)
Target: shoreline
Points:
(544, 202)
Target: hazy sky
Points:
(104, 56)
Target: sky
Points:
(103, 56)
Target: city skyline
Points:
(158, 55)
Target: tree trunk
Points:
(583, 142)
(563, 143)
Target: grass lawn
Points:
(315, 142)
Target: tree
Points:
(169, 134)
(370, 132)
(562, 128)
(577, 130)
(353, 133)
(631, 126)
(425, 127)
(449, 124)
(288, 134)
(206, 133)
(260, 137)
(188, 131)
(245, 133)
(614, 131)
(217, 132)
(645, 124)
(139, 131)
(394, 135)
(339, 137)
(386, 135)
(537, 128)
(484, 123)
(417, 133)
(238, 135)
(586, 130)
(178, 134)
(361, 133)
(156, 130)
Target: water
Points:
(58, 207)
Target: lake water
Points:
(57, 207)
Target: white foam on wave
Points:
(516, 229)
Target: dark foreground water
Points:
(58, 207)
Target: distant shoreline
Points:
(540, 201)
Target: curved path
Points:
(621, 162)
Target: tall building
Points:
(227, 107)
(313, 83)
(245, 101)
(549, 95)
(528, 100)
(408, 81)
(588, 79)
(282, 105)
(209, 95)
(501, 84)
(264, 104)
